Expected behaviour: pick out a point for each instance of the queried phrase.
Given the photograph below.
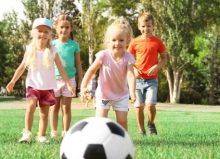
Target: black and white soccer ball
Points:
(97, 138)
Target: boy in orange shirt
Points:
(146, 49)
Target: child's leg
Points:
(102, 112)
(140, 118)
(29, 115)
(66, 111)
(121, 117)
(87, 103)
(54, 114)
(44, 110)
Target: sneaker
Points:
(142, 133)
(26, 137)
(152, 129)
(53, 134)
(42, 140)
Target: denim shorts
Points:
(146, 92)
(117, 105)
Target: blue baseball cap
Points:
(42, 21)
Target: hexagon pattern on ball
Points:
(97, 138)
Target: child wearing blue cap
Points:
(39, 59)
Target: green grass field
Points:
(182, 135)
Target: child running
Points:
(39, 60)
(115, 66)
(146, 49)
(68, 51)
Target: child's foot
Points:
(53, 134)
(63, 133)
(26, 137)
(42, 140)
(152, 128)
(142, 133)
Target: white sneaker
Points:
(26, 137)
(53, 134)
(42, 140)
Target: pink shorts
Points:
(62, 88)
(44, 97)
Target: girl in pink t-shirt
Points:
(115, 66)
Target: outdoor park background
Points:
(190, 30)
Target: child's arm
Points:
(131, 82)
(79, 69)
(87, 77)
(63, 74)
(19, 71)
(154, 69)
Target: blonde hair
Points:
(120, 23)
(32, 50)
(146, 16)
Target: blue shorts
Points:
(117, 105)
(146, 92)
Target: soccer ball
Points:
(97, 138)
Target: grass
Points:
(182, 135)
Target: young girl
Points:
(69, 53)
(39, 59)
(115, 65)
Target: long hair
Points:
(32, 50)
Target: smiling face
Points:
(42, 34)
(118, 41)
(63, 30)
(146, 27)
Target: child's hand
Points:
(153, 70)
(136, 73)
(133, 97)
(10, 87)
(83, 94)
(72, 90)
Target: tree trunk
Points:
(91, 52)
(174, 81)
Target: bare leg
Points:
(66, 111)
(29, 115)
(44, 110)
(102, 112)
(151, 111)
(54, 115)
(140, 118)
(122, 118)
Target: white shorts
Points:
(117, 105)
(62, 88)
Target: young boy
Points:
(146, 49)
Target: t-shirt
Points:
(112, 81)
(41, 77)
(67, 52)
(146, 54)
